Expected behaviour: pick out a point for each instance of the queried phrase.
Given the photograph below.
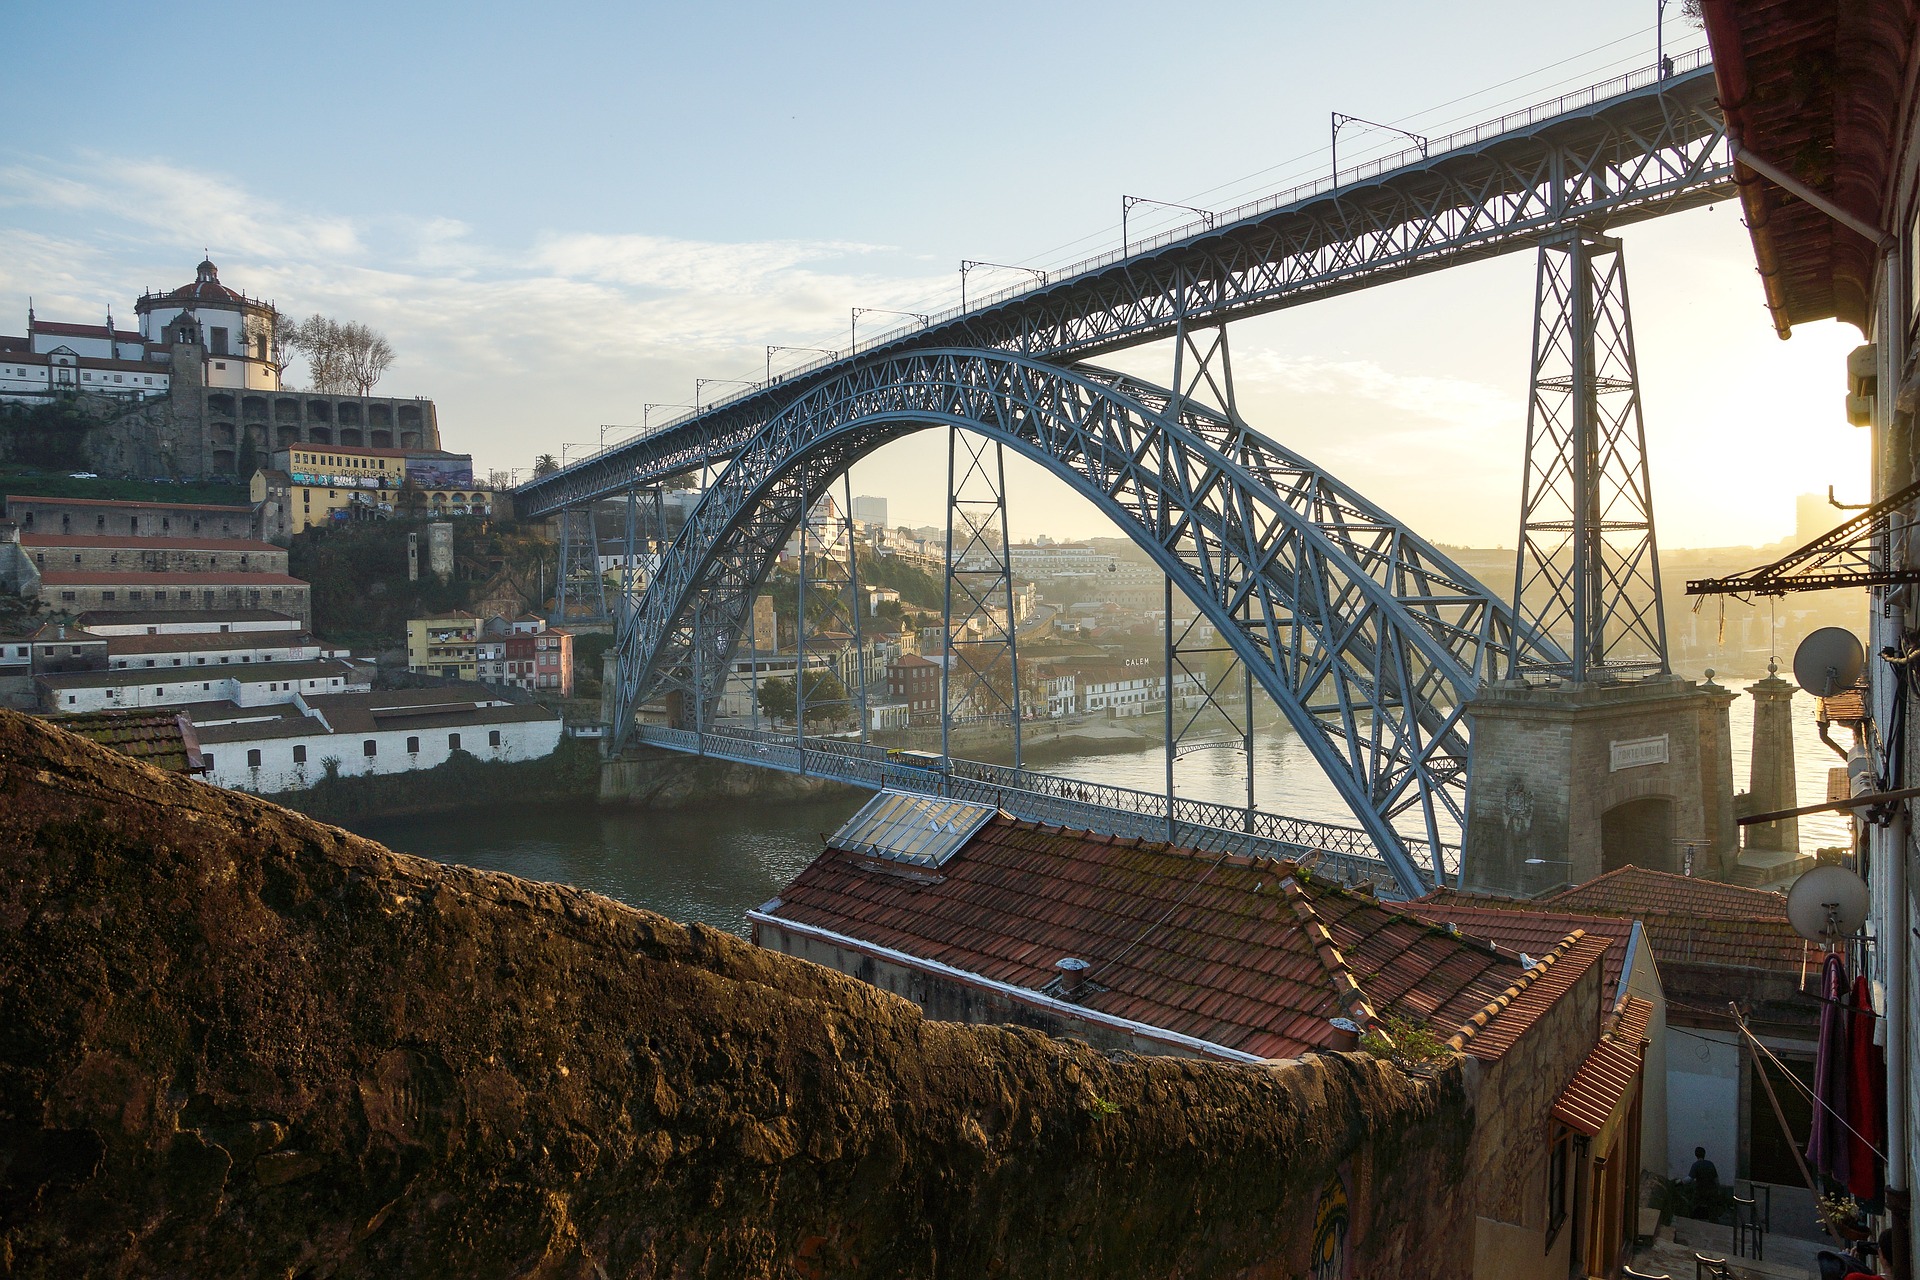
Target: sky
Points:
(562, 214)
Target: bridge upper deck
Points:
(1633, 148)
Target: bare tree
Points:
(341, 358)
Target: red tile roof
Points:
(35, 499)
(1509, 1015)
(163, 739)
(1637, 890)
(134, 542)
(1532, 933)
(1202, 945)
(1600, 1085)
(1687, 920)
(230, 578)
(65, 330)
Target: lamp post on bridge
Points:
(819, 351)
(646, 411)
(606, 427)
(968, 264)
(1339, 118)
(853, 327)
(1126, 207)
(700, 383)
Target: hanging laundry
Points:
(1827, 1147)
(1866, 1086)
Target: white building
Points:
(182, 622)
(237, 342)
(364, 734)
(264, 684)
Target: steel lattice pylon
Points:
(980, 671)
(1588, 569)
(580, 591)
(828, 615)
(1368, 639)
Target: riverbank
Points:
(570, 774)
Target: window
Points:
(209, 759)
(300, 754)
(413, 746)
(453, 742)
(253, 759)
(1557, 1160)
(369, 748)
(493, 738)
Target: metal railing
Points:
(1340, 852)
(1222, 221)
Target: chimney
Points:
(1073, 975)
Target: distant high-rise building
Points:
(870, 510)
(1813, 515)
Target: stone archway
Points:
(1638, 833)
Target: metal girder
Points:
(1600, 159)
(1852, 554)
(1369, 640)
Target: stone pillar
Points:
(1573, 780)
(413, 557)
(1771, 782)
(440, 550)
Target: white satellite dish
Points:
(1827, 904)
(1828, 662)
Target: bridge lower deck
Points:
(1340, 852)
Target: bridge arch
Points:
(1368, 639)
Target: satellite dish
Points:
(1827, 904)
(1828, 662)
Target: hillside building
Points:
(445, 645)
(104, 516)
(202, 378)
(261, 684)
(309, 486)
(291, 745)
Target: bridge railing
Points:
(1345, 853)
(1586, 96)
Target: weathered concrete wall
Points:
(653, 778)
(236, 1042)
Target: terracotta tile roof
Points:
(1531, 933)
(39, 500)
(1507, 1017)
(1638, 890)
(1846, 707)
(1597, 1089)
(224, 578)
(1687, 920)
(1197, 944)
(163, 739)
(134, 542)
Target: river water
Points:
(715, 864)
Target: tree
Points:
(545, 465)
(776, 699)
(342, 359)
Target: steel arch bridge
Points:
(1369, 639)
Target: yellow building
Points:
(445, 645)
(312, 485)
(308, 483)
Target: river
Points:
(714, 865)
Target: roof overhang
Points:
(1817, 89)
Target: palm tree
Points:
(545, 465)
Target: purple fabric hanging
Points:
(1827, 1144)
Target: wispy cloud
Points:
(572, 327)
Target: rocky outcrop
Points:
(236, 1042)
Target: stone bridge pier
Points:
(1577, 779)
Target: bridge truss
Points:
(1367, 638)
